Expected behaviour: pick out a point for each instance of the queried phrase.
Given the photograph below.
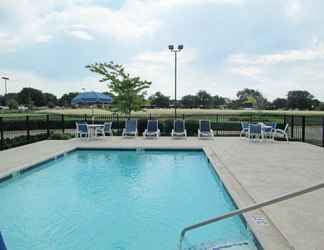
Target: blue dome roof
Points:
(91, 98)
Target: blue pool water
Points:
(110, 199)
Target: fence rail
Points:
(19, 130)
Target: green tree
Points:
(13, 104)
(300, 99)
(204, 99)
(159, 100)
(66, 99)
(189, 101)
(2, 100)
(279, 103)
(218, 101)
(30, 97)
(129, 91)
(10, 96)
(251, 98)
(50, 99)
(321, 106)
(315, 103)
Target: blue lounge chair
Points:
(255, 131)
(105, 129)
(2, 244)
(82, 129)
(204, 129)
(244, 129)
(179, 128)
(281, 132)
(130, 128)
(152, 128)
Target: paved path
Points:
(253, 172)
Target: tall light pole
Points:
(5, 79)
(175, 51)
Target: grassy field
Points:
(167, 112)
(170, 112)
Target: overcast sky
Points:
(270, 45)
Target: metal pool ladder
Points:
(248, 209)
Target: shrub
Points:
(57, 136)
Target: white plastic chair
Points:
(104, 130)
(244, 129)
(281, 132)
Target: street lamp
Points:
(5, 79)
(175, 51)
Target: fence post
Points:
(85, 117)
(303, 128)
(1, 134)
(216, 125)
(117, 122)
(47, 125)
(183, 116)
(62, 120)
(322, 131)
(27, 127)
(150, 116)
(292, 126)
(285, 120)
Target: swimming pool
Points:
(118, 199)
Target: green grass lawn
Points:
(166, 112)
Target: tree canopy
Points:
(299, 99)
(159, 100)
(279, 103)
(129, 91)
(31, 97)
(251, 98)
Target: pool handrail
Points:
(249, 208)
(2, 243)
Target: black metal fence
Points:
(20, 130)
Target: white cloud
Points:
(81, 35)
(136, 19)
(294, 10)
(278, 73)
(247, 71)
(43, 38)
(290, 56)
(173, 3)
(158, 67)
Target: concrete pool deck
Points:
(252, 172)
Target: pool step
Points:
(214, 246)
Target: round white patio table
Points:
(92, 129)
